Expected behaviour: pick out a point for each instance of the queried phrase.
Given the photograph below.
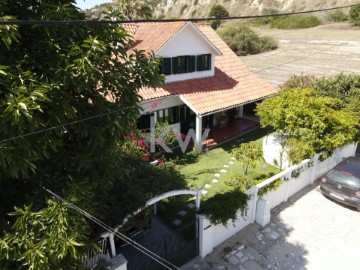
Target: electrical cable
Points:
(97, 22)
(120, 110)
(123, 237)
(74, 122)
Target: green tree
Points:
(243, 40)
(217, 11)
(248, 154)
(56, 74)
(134, 9)
(355, 15)
(316, 122)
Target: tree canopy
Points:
(55, 81)
(307, 121)
(217, 11)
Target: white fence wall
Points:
(211, 236)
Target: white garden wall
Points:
(211, 236)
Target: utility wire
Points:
(128, 240)
(71, 123)
(96, 22)
(123, 109)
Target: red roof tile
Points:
(233, 83)
(151, 36)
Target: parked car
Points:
(342, 183)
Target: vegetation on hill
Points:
(287, 22)
(355, 15)
(243, 40)
(217, 11)
(338, 16)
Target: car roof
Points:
(351, 165)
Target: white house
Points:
(204, 77)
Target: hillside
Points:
(201, 8)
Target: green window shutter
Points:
(199, 63)
(209, 62)
(166, 66)
(191, 63)
(174, 65)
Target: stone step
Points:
(214, 180)
(177, 222)
(182, 213)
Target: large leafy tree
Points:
(308, 122)
(51, 75)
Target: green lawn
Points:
(199, 170)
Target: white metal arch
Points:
(196, 193)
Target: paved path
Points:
(308, 232)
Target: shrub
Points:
(243, 40)
(295, 22)
(222, 207)
(299, 81)
(196, 2)
(355, 15)
(287, 22)
(338, 16)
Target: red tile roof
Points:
(151, 36)
(233, 84)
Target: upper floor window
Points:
(203, 62)
(185, 64)
(165, 66)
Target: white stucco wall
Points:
(188, 42)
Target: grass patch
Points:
(199, 169)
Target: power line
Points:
(71, 123)
(123, 237)
(123, 109)
(97, 22)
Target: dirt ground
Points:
(321, 51)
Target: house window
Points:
(165, 66)
(203, 62)
(174, 114)
(183, 64)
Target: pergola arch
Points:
(153, 201)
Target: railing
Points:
(94, 257)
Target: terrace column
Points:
(239, 111)
(198, 131)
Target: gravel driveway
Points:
(307, 232)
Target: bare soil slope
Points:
(201, 8)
